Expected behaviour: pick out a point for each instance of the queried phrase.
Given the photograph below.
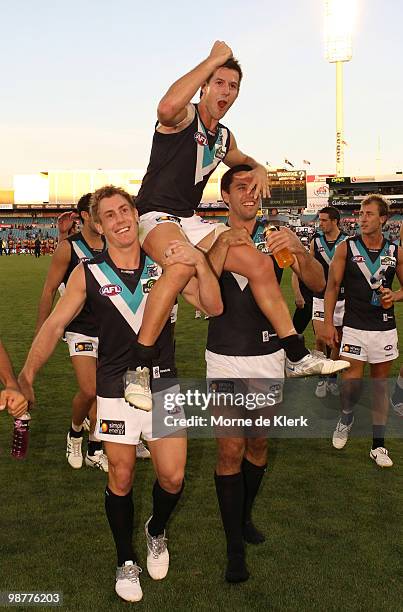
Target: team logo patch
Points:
(201, 139)
(112, 428)
(353, 349)
(110, 290)
(221, 386)
(82, 347)
(165, 218)
(147, 285)
(261, 246)
(358, 259)
(152, 270)
(387, 260)
(221, 152)
(388, 347)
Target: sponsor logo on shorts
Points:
(221, 386)
(156, 372)
(112, 428)
(353, 349)
(358, 259)
(147, 285)
(165, 218)
(200, 138)
(389, 347)
(318, 314)
(82, 347)
(110, 290)
(387, 260)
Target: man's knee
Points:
(230, 455)
(171, 481)
(256, 450)
(120, 477)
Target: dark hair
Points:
(108, 192)
(383, 206)
(226, 179)
(232, 64)
(333, 213)
(83, 204)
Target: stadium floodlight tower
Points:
(339, 17)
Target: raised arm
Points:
(172, 108)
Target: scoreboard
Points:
(287, 189)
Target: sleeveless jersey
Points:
(324, 252)
(117, 299)
(84, 323)
(179, 168)
(365, 268)
(242, 330)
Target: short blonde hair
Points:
(108, 191)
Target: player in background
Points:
(323, 247)
(365, 265)
(81, 336)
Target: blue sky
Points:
(80, 80)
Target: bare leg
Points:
(85, 370)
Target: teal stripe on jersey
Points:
(133, 300)
(373, 267)
(84, 249)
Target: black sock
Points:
(143, 355)
(93, 446)
(76, 434)
(252, 477)
(163, 505)
(294, 347)
(347, 418)
(378, 434)
(119, 510)
(231, 495)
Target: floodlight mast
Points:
(338, 42)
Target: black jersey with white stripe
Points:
(81, 251)
(242, 330)
(117, 299)
(365, 270)
(180, 166)
(324, 251)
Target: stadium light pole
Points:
(339, 17)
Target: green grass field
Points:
(333, 520)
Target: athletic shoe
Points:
(157, 554)
(381, 457)
(340, 434)
(97, 460)
(333, 388)
(197, 314)
(142, 451)
(73, 452)
(128, 582)
(86, 424)
(206, 317)
(396, 400)
(313, 364)
(137, 388)
(321, 388)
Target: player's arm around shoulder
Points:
(67, 308)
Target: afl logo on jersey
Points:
(200, 138)
(358, 259)
(110, 290)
